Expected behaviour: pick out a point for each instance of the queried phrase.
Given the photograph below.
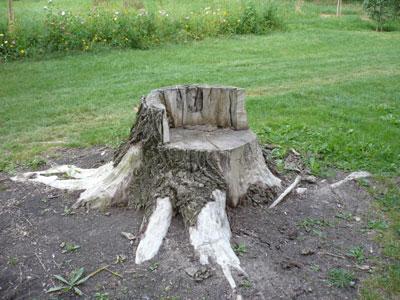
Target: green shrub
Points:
(382, 11)
(63, 31)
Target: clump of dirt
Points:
(288, 252)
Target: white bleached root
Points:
(156, 230)
(102, 186)
(286, 192)
(211, 237)
(352, 176)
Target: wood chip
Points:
(128, 235)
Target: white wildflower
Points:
(142, 12)
(163, 13)
(63, 13)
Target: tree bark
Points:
(339, 8)
(11, 17)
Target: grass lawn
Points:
(328, 88)
(332, 94)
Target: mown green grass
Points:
(327, 87)
(332, 94)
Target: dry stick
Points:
(114, 273)
(105, 268)
(97, 271)
(38, 257)
(27, 221)
(287, 191)
(332, 254)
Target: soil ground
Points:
(287, 251)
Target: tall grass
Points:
(133, 27)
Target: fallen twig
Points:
(128, 235)
(332, 254)
(114, 273)
(97, 271)
(40, 261)
(27, 221)
(286, 192)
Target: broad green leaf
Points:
(76, 275)
(82, 280)
(62, 279)
(57, 288)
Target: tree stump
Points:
(189, 152)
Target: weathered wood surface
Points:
(195, 140)
(189, 152)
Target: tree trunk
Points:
(189, 152)
(339, 8)
(11, 17)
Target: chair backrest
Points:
(198, 105)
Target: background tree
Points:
(339, 8)
(382, 11)
(11, 17)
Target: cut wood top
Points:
(200, 105)
(204, 139)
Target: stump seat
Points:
(200, 107)
(212, 119)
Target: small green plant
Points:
(101, 296)
(377, 224)
(340, 278)
(67, 211)
(36, 163)
(357, 253)
(69, 247)
(246, 284)
(240, 249)
(13, 261)
(154, 266)
(315, 268)
(309, 224)
(318, 233)
(71, 284)
(344, 215)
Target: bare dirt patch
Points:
(287, 251)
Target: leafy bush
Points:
(139, 29)
(382, 10)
